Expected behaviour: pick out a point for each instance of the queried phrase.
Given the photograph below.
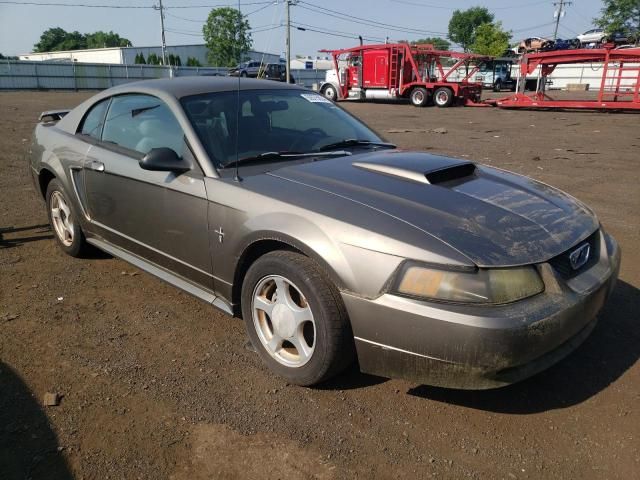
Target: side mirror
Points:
(164, 160)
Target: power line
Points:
(81, 5)
(149, 7)
(266, 29)
(416, 4)
(200, 21)
(185, 19)
(189, 34)
(535, 27)
(570, 30)
(363, 21)
(221, 5)
(196, 32)
(269, 4)
(306, 26)
(509, 7)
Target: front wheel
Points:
(295, 318)
(497, 87)
(419, 97)
(443, 97)
(330, 92)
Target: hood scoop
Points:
(433, 176)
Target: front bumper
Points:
(481, 347)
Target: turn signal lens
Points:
(494, 285)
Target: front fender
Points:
(245, 217)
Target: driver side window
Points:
(141, 123)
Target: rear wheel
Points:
(497, 87)
(443, 97)
(419, 97)
(64, 221)
(295, 318)
(243, 74)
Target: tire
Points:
(64, 221)
(497, 86)
(419, 97)
(306, 351)
(443, 97)
(330, 92)
(243, 74)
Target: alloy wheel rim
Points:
(62, 218)
(418, 97)
(442, 97)
(283, 321)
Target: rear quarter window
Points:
(94, 120)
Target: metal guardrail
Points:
(28, 75)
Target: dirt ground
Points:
(156, 384)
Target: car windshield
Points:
(278, 120)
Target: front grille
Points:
(562, 264)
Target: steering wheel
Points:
(315, 132)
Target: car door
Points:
(157, 215)
(253, 69)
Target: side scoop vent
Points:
(449, 174)
(433, 177)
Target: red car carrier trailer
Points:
(399, 70)
(618, 89)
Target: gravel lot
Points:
(155, 384)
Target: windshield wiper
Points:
(285, 155)
(350, 142)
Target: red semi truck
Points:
(420, 73)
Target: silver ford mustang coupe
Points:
(272, 203)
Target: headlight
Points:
(491, 285)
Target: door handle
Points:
(95, 165)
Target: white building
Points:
(311, 63)
(127, 55)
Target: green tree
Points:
(73, 41)
(50, 39)
(56, 39)
(620, 16)
(3, 57)
(490, 39)
(193, 62)
(153, 59)
(174, 60)
(139, 60)
(463, 25)
(438, 43)
(226, 34)
(102, 39)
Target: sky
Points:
(337, 20)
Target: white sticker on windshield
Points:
(315, 98)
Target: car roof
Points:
(185, 86)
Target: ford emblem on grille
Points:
(580, 256)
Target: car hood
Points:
(493, 217)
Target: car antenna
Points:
(237, 177)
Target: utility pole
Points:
(164, 43)
(558, 14)
(288, 50)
